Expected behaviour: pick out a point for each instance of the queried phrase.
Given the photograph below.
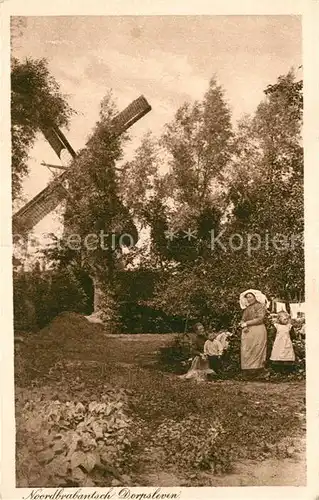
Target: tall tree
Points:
(263, 182)
(143, 185)
(175, 184)
(139, 177)
(267, 190)
(199, 145)
(198, 141)
(97, 223)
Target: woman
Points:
(254, 333)
(199, 368)
(198, 339)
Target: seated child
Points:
(282, 354)
(214, 348)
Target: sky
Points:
(168, 59)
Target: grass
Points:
(256, 417)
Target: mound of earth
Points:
(70, 326)
(68, 333)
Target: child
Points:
(214, 348)
(282, 354)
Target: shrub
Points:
(175, 357)
(40, 296)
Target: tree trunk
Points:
(104, 305)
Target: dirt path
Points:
(269, 472)
(285, 472)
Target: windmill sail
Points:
(50, 197)
(130, 115)
(57, 140)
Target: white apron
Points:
(282, 349)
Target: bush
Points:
(175, 357)
(40, 296)
(138, 317)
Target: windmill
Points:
(56, 192)
(51, 196)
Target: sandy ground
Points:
(286, 472)
(270, 472)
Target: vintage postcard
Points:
(159, 250)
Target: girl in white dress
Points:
(282, 354)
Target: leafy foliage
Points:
(36, 99)
(192, 294)
(266, 191)
(198, 141)
(193, 444)
(139, 179)
(72, 443)
(260, 199)
(39, 297)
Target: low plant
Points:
(175, 356)
(193, 443)
(73, 444)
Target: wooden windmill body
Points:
(56, 192)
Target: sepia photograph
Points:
(157, 183)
